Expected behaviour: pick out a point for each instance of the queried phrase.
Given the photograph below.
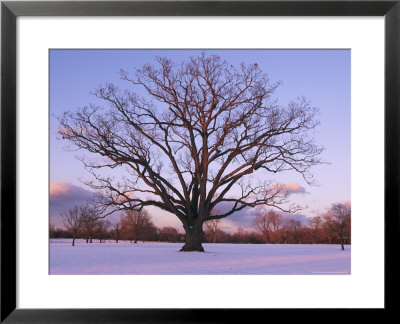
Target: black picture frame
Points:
(10, 10)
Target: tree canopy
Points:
(189, 135)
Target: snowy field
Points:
(224, 259)
(164, 258)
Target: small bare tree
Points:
(117, 230)
(338, 219)
(148, 231)
(102, 228)
(212, 227)
(169, 234)
(90, 217)
(316, 223)
(135, 222)
(267, 223)
(293, 227)
(73, 221)
(242, 236)
(262, 223)
(276, 221)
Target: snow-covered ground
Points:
(226, 259)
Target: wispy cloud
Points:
(290, 188)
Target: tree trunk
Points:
(266, 235)
(73, 240)
(194, 239)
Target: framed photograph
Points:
(162, 158)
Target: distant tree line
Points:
(332, 227)
(133, 226)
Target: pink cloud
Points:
(58, 189)
(65, 191)
(290, 188)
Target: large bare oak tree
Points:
(189, 136)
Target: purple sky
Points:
(322, 76)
